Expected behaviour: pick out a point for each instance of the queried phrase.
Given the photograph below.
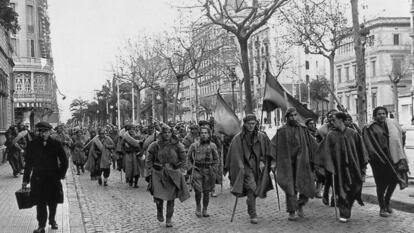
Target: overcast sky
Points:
(87, 34)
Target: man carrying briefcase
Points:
(46, 165)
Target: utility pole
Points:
(118, 104)
(133, 102)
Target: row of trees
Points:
(161, 62)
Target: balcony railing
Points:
(33, 61)
(33, 95)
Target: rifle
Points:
(234, 209)
(340, 106)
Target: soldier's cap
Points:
(43, 125)
(129, 126)
(203, 122)
(249, 117)
(193, 126)
(165, 128)
(289, 111)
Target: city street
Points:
(120, 208)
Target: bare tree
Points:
(361, 79)
(319, 26)
(401, 67)
(242, 18)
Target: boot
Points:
(160, 215)
(300, 212)
(78, 170)
(198, 211)
(292, 216)
(39, 230)
(100, 181)
(105, 181)
(83, 169)
(205, 214)
(170, 212)
(136, 182)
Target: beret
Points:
(43, 125)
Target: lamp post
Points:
(412, 101)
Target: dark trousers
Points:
(170, 208)
(42, 213)
(106, 172)
(386, 183)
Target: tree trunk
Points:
(154, 100)
(164, 105)
(332, 81)
(395, 101)
(138, 106)
(360, 83)
(176, 98)
(196, 98)
(246, 74)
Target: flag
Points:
(225, 120)
(276, 96)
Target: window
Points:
(348, 102)
(339, 75)
(30, 18)
(347, 73)
(373, 69)
(370, 40)
(374, 100)
(396, 39)
(355, 71)
(30, 48)
(307, 65)
(307, 78)
(13, 42)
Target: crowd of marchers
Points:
(174, 159)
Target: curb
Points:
(87, 219)
(398, 205)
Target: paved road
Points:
(120, 208)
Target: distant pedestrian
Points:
(203, 159)
(248, 163)
(86, 148)
(13, 151)
(293, 148)
(78, 155)
(344, 158)
(46, 165)
(165, 164)
(132, 158)
(385, 144)
(99, 158)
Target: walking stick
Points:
(333, 191)
(234, 209)
(277, 190)
(222, 164)
(192, 173)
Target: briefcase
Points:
(24, 201)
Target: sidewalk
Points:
(400, 199)
(13, 220)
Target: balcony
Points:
(34, 63)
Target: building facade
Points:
(34, 79)
(388, 43)
(293, 67)
(6, 86)
(216, 72)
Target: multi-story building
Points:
(293, 67)
(6, 85)
(388, 41)
(34, 79)
(216, 72)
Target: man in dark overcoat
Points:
(248, 163)
(293, 149)
(46, 165)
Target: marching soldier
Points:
(203, 157)
(165, 163)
